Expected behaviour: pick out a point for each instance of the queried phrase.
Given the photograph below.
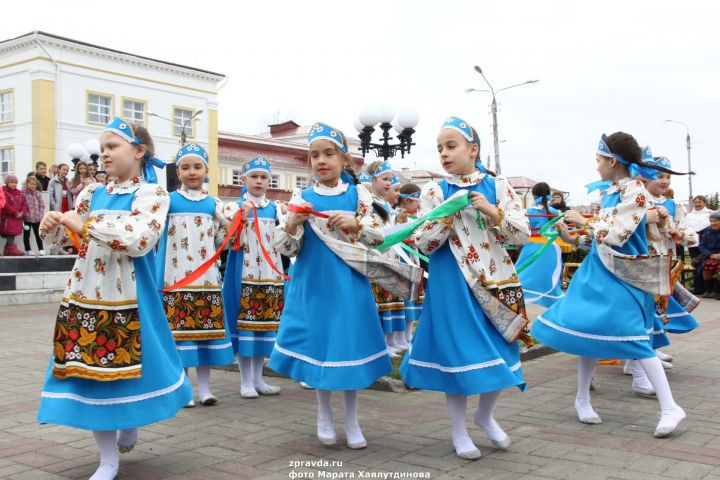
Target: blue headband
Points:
(660, 162)
(125, 131)
(259, 164)
(414, 196)
(464, 128)
(382, 168)
(395, 181)
(364, 178)
(634, 169)
(539, 200)
(322, 131)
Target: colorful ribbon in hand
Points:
(548, 232)
(267, 256)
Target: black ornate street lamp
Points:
(404, 126)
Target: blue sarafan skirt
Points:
(330, 335)
(599, 317)
(456, 349)
(541, 280)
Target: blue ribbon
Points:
(538, 200)
(346, 177)
(149, 171)
(414, 196)
(601, 185)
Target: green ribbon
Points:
(548, 231)
(414, 252)
(449, 207)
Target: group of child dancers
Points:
(148, 260)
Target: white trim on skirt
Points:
(347, 363)
(592, 336)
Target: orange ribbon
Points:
(235, 229)
(306, 211)
(73, 238)
(267, 256)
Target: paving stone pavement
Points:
(408, 433)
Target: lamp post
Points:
(493, 111)
(77, 152)
(687, 142)
(404, 125)
(183, 136)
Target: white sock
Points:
(408, 331)
(400, 339)
(325, 427)
(127, 438)
(109, 457)
(352, 427)
(246, 376)
(457, 406)
(203, 381)
(258, 363)
(390, 339)
(586, 368)
(656, 374)
(485, 418)
(640, 380)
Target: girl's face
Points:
(393, 195)
(120, 158)
(192, 172)
(605, 166)
(63, 171)
(326, 162)
(31, 186)
(12, 185)
(557, 198)
(82, 169)
(715, 224)
(409, 204)
(257, 183)
(457, 155)
(381, 184)
(92, 170)
(659, 186)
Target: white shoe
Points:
(248, 392)
(190, 404)
(669, 422)
(626, 369)
(106, 471)
(392, 352)
(465, 448)
(267, 389)
(306, 386)
(355, 438)
(29, 253)
(209, 400)
(586, 414)
(647, 392)
(42, 253)
(666, 365)
(664, 356)
(326, 431)
(494, 433)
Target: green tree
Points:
(713, 201)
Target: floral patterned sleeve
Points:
(137, 233)
(58, 236)
(432, 234)
(616, 225)
(286, 244)
(371, 232)
(514, 228)
(685, 236)
(220, 221)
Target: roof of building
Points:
(58, 37)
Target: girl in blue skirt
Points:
(101, 376)
(330, 335)
(457, 349)
(541, 280)
(608, 310)
(195, 228)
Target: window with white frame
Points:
(7, 106)
(237, 177)
(99, 108)
(134, 111)
(274, 181)
(301, 182)
(7, 157)
(181, 117)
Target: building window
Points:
(99, 108)
(7, 155)
(134, 111)
(7, 106)
(237, 177)
(301, 182)
(181, 117)
(274, 181)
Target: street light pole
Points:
(687, 143)
(493, 112)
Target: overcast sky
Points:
(602, 66)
